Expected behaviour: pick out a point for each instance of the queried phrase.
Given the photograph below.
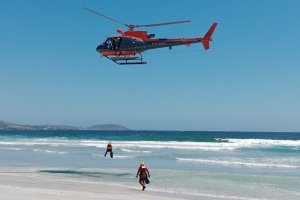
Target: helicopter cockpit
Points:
(112, 43)
(108, 44)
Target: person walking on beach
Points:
(144, 174)
(109, 149)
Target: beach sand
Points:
(19, 187)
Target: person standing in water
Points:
(109, 149)
(144, 174)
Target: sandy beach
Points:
(17, 187)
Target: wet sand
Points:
(17, 186)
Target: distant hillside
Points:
(2, 124)
(13, 126)
(108, 127)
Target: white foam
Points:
(241, 163)
(50, 151)
(127, 146)
(174, 145)
(264, 142)
(97, 155)
(122, 156)
(134, 151)
(10, 148)
(115, 156)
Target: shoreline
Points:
(15, 187)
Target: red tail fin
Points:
(207, 38)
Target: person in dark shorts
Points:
(109, 149)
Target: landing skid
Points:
(127, 60)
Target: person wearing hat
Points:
(144, 174)
(109, 149)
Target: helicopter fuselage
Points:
(135, 42)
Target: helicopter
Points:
(127, 47)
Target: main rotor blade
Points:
(162, 24)
(95, 12)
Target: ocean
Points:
(235, 165)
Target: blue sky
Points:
(248, 81)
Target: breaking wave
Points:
(50, 151)
(115, 156)
(238, 163)
(134, 151)
(126, 146)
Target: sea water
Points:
(226, 165)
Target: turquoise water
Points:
(238, 165)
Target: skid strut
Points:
(126, 60)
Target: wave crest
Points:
(241, 163)
(127, 146)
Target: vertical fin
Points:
(207, 38)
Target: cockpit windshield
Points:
(108, 43)
(112, 43)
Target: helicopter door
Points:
(117, 42)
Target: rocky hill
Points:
(13, 126)
(108, 127)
